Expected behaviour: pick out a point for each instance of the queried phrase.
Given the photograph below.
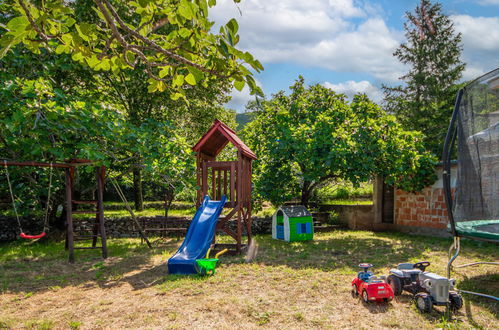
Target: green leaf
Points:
(190, 79)
(185, 10)
(198, 74)
(239, 84)
(18, 24)
(233, 26)
(164, 71)
(178, 80)
(184, 33)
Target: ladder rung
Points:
(85, 236)
(86, 212)
(84, 202)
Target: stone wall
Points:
(9, 229)
(354, 216)
(115, 227)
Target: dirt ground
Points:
(298, 285)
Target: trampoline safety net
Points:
(475, 207)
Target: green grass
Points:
(348, 202)
(288, 285)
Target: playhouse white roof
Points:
(295, 211)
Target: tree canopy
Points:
(432, 52)
(171, 40)
(314, 135)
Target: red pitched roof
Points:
(217, 138)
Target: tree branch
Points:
(147, 41)
(35, 26)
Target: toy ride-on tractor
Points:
(429, 289)
(370, 287)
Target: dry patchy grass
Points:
(297, 285)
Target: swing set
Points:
(98, 228)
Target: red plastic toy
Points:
(370, 287)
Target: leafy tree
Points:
(314, 135)
(170, 39)
(127, 91)
(432, 51)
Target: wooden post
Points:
(232, 183)
(225, 183)
(219, 183)
(239, 185)
(199, 174)
(69, 216)
(205, 180)
(100, 175)
(213, 183)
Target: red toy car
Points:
(370, 287)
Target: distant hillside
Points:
(243, 118)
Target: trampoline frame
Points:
(455, 248)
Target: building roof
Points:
(217, 137)
(295, 211)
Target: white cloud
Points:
(480, 43)
(350, 88)
(488, 2)
(316, 33)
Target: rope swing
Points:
(47, 208)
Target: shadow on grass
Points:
(487, 284)
(345, 251)
(38, 267)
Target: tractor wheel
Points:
(423, 302)
(456, 301)
(355, 292)
(365, 296)
(396, 284)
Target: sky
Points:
(347, 45)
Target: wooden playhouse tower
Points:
(229, 178)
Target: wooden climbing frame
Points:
(229, 178)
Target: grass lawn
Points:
(289, 285)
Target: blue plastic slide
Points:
(198, 239)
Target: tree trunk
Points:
(137, 190)
(305, 193)
(169, 195)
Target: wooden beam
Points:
(69, 216)
(100, 175)
(220, 165)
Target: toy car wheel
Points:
(355, 292)
(365, 296)
(423, 302)
(456, 301)
(396, 284)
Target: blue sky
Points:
(347, 45)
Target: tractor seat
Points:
(364, 276)
(405, 266)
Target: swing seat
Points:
(25, 236)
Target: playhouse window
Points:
(280, 217)
(303, 228)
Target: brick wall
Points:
(423, 209)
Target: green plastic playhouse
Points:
(292, 223)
